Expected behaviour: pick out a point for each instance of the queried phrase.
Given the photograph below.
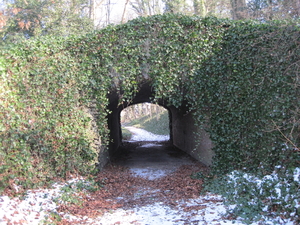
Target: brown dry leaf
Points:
(21, 24)
(27, 25)
(195, 207)
(15, 11)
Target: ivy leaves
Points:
(241, 76)
(246, 88)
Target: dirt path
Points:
(150, 183)
(139, 134)
(153, 158)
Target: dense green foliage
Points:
(250, 92)
(241, 77)
(45, 129)
(257, 198)
(30, 18)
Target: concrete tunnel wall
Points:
(182, 127)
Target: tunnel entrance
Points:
(146, 147)
(182, 127)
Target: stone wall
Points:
(94, 136)
(190, 138)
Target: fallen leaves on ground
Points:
(121, 189)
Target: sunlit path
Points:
(143, 135)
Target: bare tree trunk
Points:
(239, 9)
(124, 11)
(98, 7)
(175, 6)
(108, 12)
(91, 10)
(133, 116)
(150, 110)
(140, 110)
(199, 7)
(296, 8)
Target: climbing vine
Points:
(45, 130)
(242, 77)
(251, 87)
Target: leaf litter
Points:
(131, 199)
(125, 198)
(136, 195)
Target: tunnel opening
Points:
(182, 130)
(146, 147)
(145, 122)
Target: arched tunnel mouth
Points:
(148, 151)
(169, 153)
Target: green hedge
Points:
(242, 77)
(45, 129)
(250, 89)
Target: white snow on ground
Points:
(208, 209)
(149, 173)
(143, 135)
(36, 204)
(148, 145)
(32, 209)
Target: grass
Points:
(155, 124)
(126, 134)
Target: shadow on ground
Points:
(151, 154)
(152, 160)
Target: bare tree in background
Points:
(101, 14)
(147, 7)
(124, 11)
(239, 9)
(199, 7)
(177, 6)
(140, 110)
(218, 8)
(24, 19)
(274, 9)
(95, 10)
(234, 9)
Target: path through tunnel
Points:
(145, 122)
(181, 145)
(146, 147)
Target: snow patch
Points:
(149, 145)
(149, 173)
(32, 210)
(143, 135)
(195, 211)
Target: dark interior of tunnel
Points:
(181, 125)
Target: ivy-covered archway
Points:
(237, 81)
(182, 125)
